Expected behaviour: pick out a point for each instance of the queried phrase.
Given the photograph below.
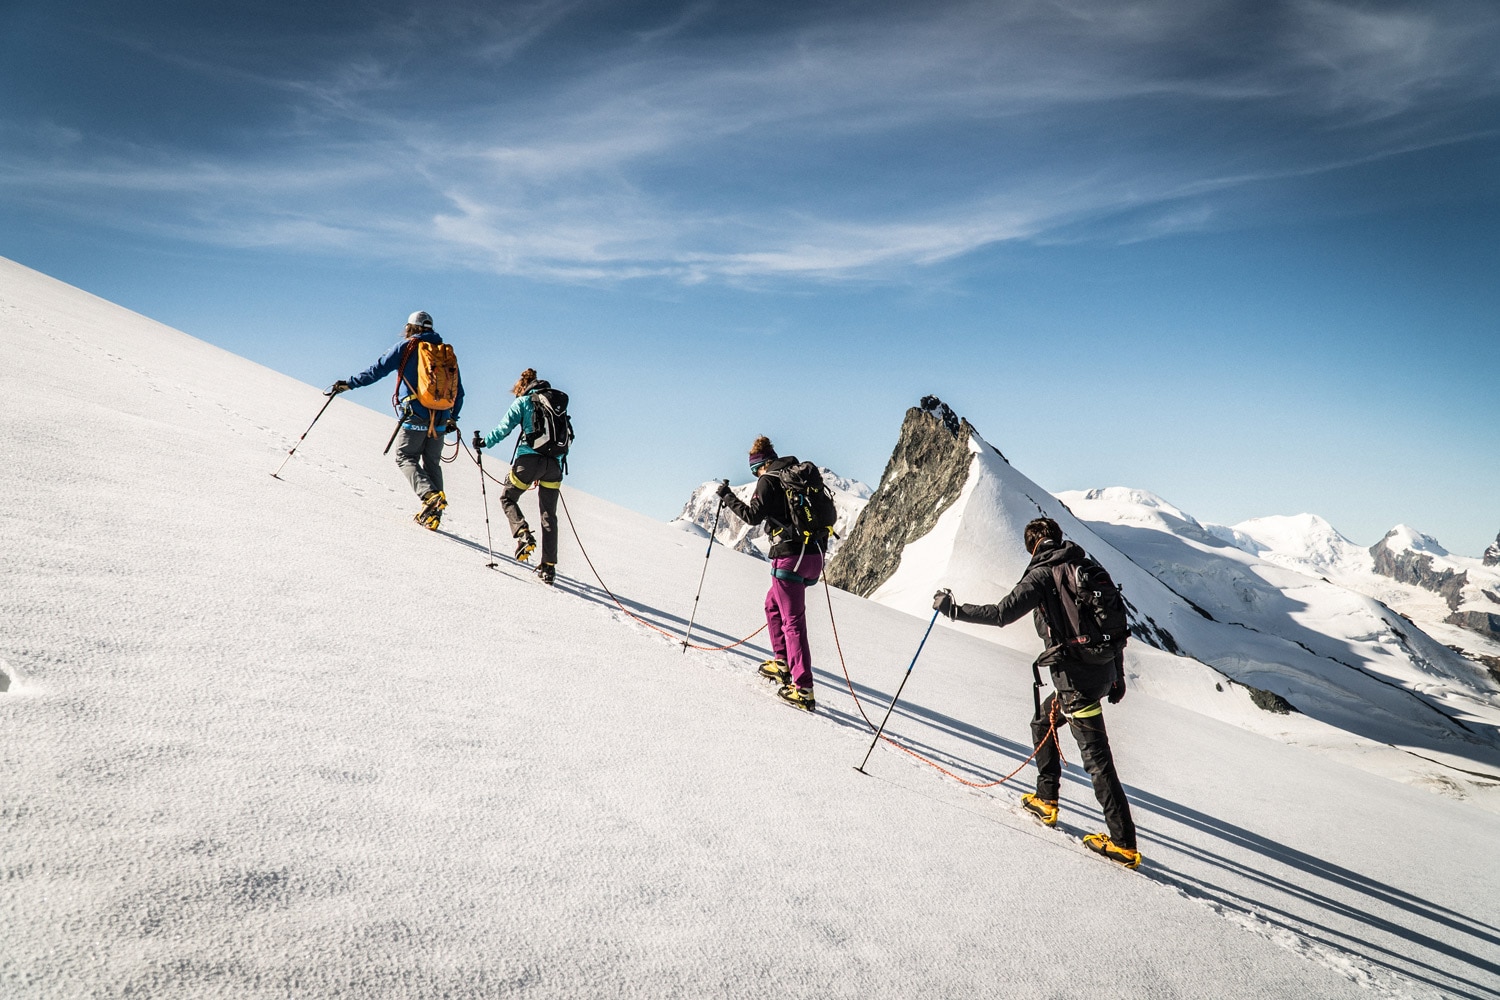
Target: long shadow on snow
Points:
(1314, 870)
(1338, 878)
(597, 595)
(1194, 886)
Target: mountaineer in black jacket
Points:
(796, 564)
(1080, 685)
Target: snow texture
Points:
(268, 738)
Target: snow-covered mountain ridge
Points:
(268, 738)
(1240, 631)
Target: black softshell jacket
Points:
(768, 503)
(1037, 593)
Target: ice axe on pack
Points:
(333, 390)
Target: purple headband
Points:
(757, 460)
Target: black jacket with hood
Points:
(768, 504)
(1037, 593)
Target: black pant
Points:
(546, 474)
(1098, 761)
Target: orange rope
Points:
(1052, 722)
(574, 528)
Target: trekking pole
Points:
(484, 495)
(694, 616)
(277, 474)
(861, 767)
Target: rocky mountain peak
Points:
(1399, 556)
(925, 475)
(1492, 554)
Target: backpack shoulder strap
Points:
(411, 345)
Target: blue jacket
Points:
(420, 417)
(519, 415)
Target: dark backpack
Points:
(1094, 608)
(810, 505)
(551, 428)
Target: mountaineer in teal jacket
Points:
(532, 467)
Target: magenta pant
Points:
(786, 614)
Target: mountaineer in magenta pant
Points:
(786, 612)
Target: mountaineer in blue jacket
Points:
(540, 412)
(419, 453)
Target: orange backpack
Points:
(437, 375)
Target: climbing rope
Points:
(690, 645)
(603, 586)
(459, 440)
(844, 666)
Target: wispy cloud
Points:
(694, 147)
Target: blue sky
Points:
(1242, 254)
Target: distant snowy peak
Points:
(1127, 505)
(701, 511)
(1124, 505)
(1470, 587)
(1404, 538)
(1303, 542)
(1492, 554)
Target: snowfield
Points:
(269, 738)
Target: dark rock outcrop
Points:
(1476, 621)
(925, 475)
(1415, 568)
(1492, 554)
(1270, 701)
(1490, 663)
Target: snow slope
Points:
(267, 738)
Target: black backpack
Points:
(1094, 608)
(551, 428)
(810, 505)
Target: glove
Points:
(1117, 690)
(338, 387)
(452, 428)
(723, 489)
(478, 441)
(943, 604)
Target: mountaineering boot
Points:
(431, 514)
(1100, 844)
(547, 572)
(776, 670)
(1043, 809)
(799, 697)
(525, 545)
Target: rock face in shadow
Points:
(1415, 568)
(1491, 555)
(923, 478)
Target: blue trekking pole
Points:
(712, 532)
(861, 767)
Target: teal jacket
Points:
(519, 415)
